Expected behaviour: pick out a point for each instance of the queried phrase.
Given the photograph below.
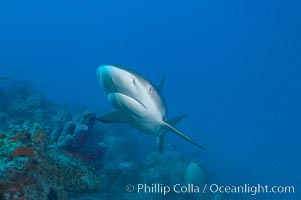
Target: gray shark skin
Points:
(137, 103)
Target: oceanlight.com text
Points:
(163, 189)
(249, 189)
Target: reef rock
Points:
(31, 169)
(194, 174)
(72, 135)
(166, 168)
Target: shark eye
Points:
(134, 81)
(150, 89)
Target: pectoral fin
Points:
(111, 117)
(182, 135)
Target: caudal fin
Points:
(162, 133)
(182, 135)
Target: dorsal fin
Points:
(161, 83)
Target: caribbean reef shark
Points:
(137, 103)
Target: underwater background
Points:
(232, 66)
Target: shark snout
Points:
(102, 71)
(108, 71)
(112, 78)
(103, 75)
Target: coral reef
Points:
(166, 168)
(25, 170)
(22, 151)
(195, 174)
(31, 165)
(25, 101)
(74, 133)
(51, 152)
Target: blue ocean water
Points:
(232, 66)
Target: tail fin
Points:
(160, 136)
(182, 135)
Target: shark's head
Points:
(114, 79)
(117, 80)
(135, 88)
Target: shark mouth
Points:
(135, 99)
